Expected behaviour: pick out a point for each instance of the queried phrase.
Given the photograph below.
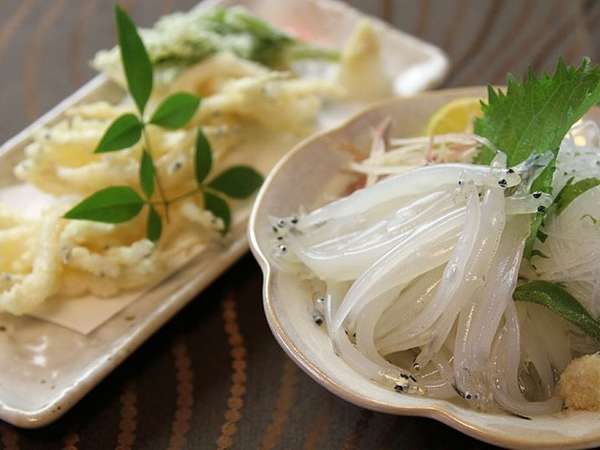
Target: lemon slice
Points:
(455, 117)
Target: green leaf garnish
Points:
(147, 174)
(219, 208)
(237, 182)
(573, 190)
(536, 223)
(135, 59)
(119, 204)
(124, 132)
(202, 157)
(175, 111)
(558, 300)
(115, 204)
(543, 183)
(534, 115)
(154, 225)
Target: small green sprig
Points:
(119, 204)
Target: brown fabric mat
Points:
(214, 377)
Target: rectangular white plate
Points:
(46, 368)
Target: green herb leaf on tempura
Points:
(119, 204)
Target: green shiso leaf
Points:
(534, 115)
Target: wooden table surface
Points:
(214, 377)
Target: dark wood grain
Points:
(214, 377)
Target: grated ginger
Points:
(580, 383)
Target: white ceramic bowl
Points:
(305, 177)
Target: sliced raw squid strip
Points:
(454, 273)
(412, 299)
(423, 244)
(476, 267)
(505, 372)
(420, 181)
(349, 263)
(479, 323)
